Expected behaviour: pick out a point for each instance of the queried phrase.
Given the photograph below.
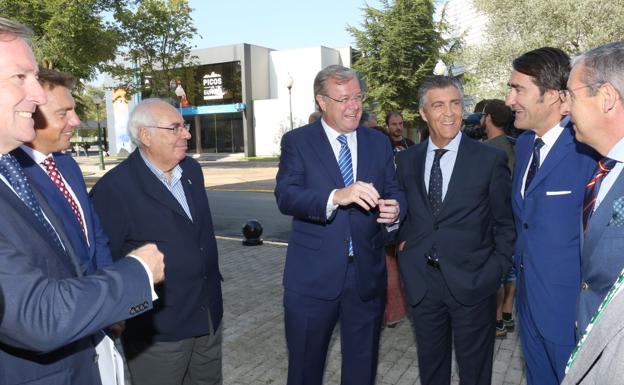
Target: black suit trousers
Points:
(439, 320)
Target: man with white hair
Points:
(158, 194)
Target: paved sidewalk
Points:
(254, 348)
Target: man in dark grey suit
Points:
(457, 239)
(595, 90)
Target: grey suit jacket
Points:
(601, 358)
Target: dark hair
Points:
(549, 67)
(479, 107)
(391, 114)
(499, 113)
(437, 82)
(52, 78)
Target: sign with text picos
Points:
(213, 86)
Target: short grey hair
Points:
(603, 64)
(438, 82)
(337, 72)
(143, 115)
(10, 30)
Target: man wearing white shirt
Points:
(595, 92)
(337, 180)
(55, 314)
(548, 188)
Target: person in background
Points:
(394, 124)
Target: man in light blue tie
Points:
(337, 181)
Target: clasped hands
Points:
(366, 196)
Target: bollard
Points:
(252, 230)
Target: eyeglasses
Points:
(357, 98)
(176, 128)
(571, 91)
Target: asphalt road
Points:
(232, 209)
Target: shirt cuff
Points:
(331, 207)
(149, 276)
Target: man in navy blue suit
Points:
(456, 241)
(158, 194)
(60, 180)
(337, 181)
(551, 171)
(55, 314)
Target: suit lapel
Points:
(187, 184)
(460, 168)
(420, 159)
(563, 145)
(363, 161)
(326, 156)
(523, 154)
(601, 217)
(153, 187)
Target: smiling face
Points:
(20, 93)
(163, 147)
(345, 116)
(534, 110)
(442, 111)
(55, 121)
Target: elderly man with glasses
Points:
(158, 195)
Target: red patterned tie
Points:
(591, 193)
(55, 175)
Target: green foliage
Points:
(516, 27)
(157, 35)
(70, 36)
(399, 46)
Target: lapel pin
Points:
(189, 181)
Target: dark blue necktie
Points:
(435, 183)
(535, 162)
(12, 171)
(346, 169)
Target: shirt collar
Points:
(453, 145)
(176, 172)
(617, 151)
(551, 136)
(37, 156)
(332, 134)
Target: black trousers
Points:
(439, 320)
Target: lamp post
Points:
(289, 85)
(97, 100)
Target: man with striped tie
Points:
(337, 181)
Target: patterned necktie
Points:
(346, 169)
(591, 190)
(435, 183)
(12, 171)
(535, 163)
(55, 175)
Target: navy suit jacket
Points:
(317, 255)
(474, 231)
(92, 255)
(52, 312)
(548, 224)
(602, 256)
(136, 208)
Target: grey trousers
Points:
(192, 361)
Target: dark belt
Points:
(433, 263)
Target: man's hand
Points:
(361, 193)
(153, 258)
(117, 328)
(388, 211)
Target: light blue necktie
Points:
(346, 169)
(12, 171)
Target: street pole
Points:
(97, 100)
(289, 84)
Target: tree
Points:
(70, 36)
(156, 46)
(516, 27)
(399, 45)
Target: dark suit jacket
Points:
(51, 312)
(317, 256)
(92, 255)
(136, 208)
(474, 231)
(548, 225)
